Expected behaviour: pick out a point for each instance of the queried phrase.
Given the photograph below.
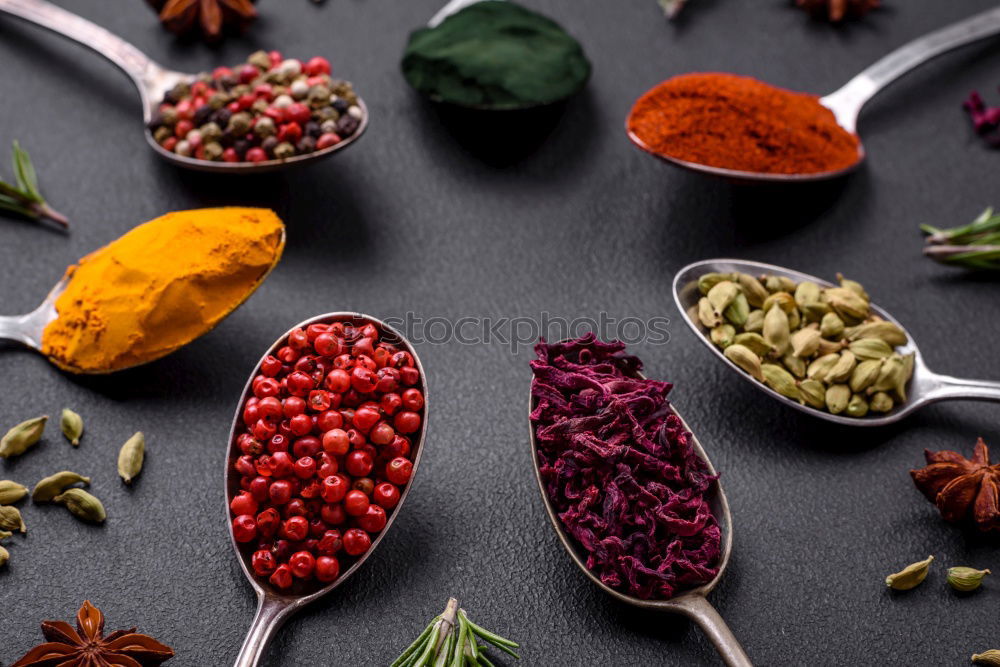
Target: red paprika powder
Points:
(740, 123)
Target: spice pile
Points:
(325, 448)
(160, 286)
(821, 346)
(620, 471)
(495, 55)
(740, 123)
(268, 108)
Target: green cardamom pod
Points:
(72, 426)
(778, 284)
(738, 311)
(890, 375)
(782, 299)
(710, 280)
(846, 303)
(21, 437)
(812, 392)
(881, 402)
(910, 576)
(830, 346)
(865, 374)
(780, 380)
(990, 658)
(707, 315)
(885, 331)
(754, 291)
(900, 389)
(842, 370)
(815, 311)
(743, 357)
(965, 578)
(755, 342)
(50, 487)
(11, 492)
(10, 519)
(837, 397)
(795, 365)
(4, 534)
(805, 342)
(755, 321)
(82, 505)
(722, 294)
(857, 406)
(854, 286)
(4, 556)
(820, 366)
(794, 320)
(131, 456)
(831, 326)
(777, 331)
(806, 292)
(722, 335)
(870, 348)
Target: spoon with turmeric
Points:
(745, 130)
(152, 291)
(152, 80)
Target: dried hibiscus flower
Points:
(961, 487)
(211, 16)
(837, 10)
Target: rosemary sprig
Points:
(452, 640)
(974, 246)
(24, 198)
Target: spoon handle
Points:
(271, 613)
(846, 103)
(951, 388)
(701, 611)
(144, 72)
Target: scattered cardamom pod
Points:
(10, 519)
(710, 280)
(837, 398)
(777, 331)
(722, 294)
(812, 392)
(738, 311)
(846, 303)
(854, 286)
(131, 456)
(870, 348)
(11, 492)
(82, 505)
(743, 357)
(990, 658)
(805, 342)
(965, 578)
(755, 321)
(842, 370)
(865, 374)
(881, 402)
(755, 342)
(723, 335)
(72, 426)
(707, 315)
(21, 437)
(754, 291)
(4, 534)
(831, 326)
(778, 379)
(4, 556)
(857, 406)
(910, 576)
(50, 487)
(885, 331)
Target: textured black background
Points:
(423, 218)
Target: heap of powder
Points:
(740, 123)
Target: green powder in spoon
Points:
(495, 54)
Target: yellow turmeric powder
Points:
(160, 286)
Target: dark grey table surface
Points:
(497, 221)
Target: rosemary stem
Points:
(415, 646)
(43, 210)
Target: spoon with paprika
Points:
(924, 388)
(152, 80)
(745, 130)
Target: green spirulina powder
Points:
(495, 54)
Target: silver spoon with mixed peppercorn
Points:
(265, 114)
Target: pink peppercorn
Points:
(327, 140)
(256, 154)
(317, 65)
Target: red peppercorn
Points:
(277, 443)
(244, 528)
(311, 490)
(364, 484)
(409, 375)
(282, 465)
(300, 424)
(399, 470)
(267, 387)
(307, 446)
(334, 488)
(329, 420)
(319, 400)
(382, 433)
(413, 400)
(263, 562)
(245, 465)
(336, 442)
(295, 528)
(275, 57)
(295, 507)
(260, 488)
(390, 403)
(333, 514)
(363, 380)
(327, 569)
(317, 65)
(298, 113)
(290, 132)
(257, 154)
(365, 418)
(302, 564)
(263, 429)
(271, 366)
(170, 143)
(243, 503)
(282, 577)
(280, 491)
(373, 520)
(248, 73)
(356, 437)
(407, 422)
(305, 467)
(356, 503)
(386, 495)
(269, 408)
(356, 541)
(268, 522)
(358, 463)
(220, 72)
(182, 128)
(326, 140)
(293, 405)
(327, 467)
(343, 362)
(401, 359)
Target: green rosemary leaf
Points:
(8, 204)
(24, 172)
(486, 634)
(417, 644)
(463, 636)
(484, 661)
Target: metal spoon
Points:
(275, 607)
(693, 603)
(925, 387)
(28, 329)
(846, 103)
(152, 80)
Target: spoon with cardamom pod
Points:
(875, 353)
(152, 80)
(846, 102)
(339, 437)
(692, 603)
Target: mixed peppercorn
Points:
(268, 108)
(325, 450)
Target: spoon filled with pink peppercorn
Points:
(327, 435)
(266, 114)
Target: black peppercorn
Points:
(227, 81)
(341, 105)
(347, 125)
(202, 115)
(269, 145)
(312, 129)
(306, 145)
(241, 146)
(221, 117)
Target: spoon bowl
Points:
(692, 603)
(924, 388)
(846, 103)
(275, 606)
(152, 81)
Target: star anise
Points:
(960, 486)
(837, 10)
(88, 647)
(182, 16)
